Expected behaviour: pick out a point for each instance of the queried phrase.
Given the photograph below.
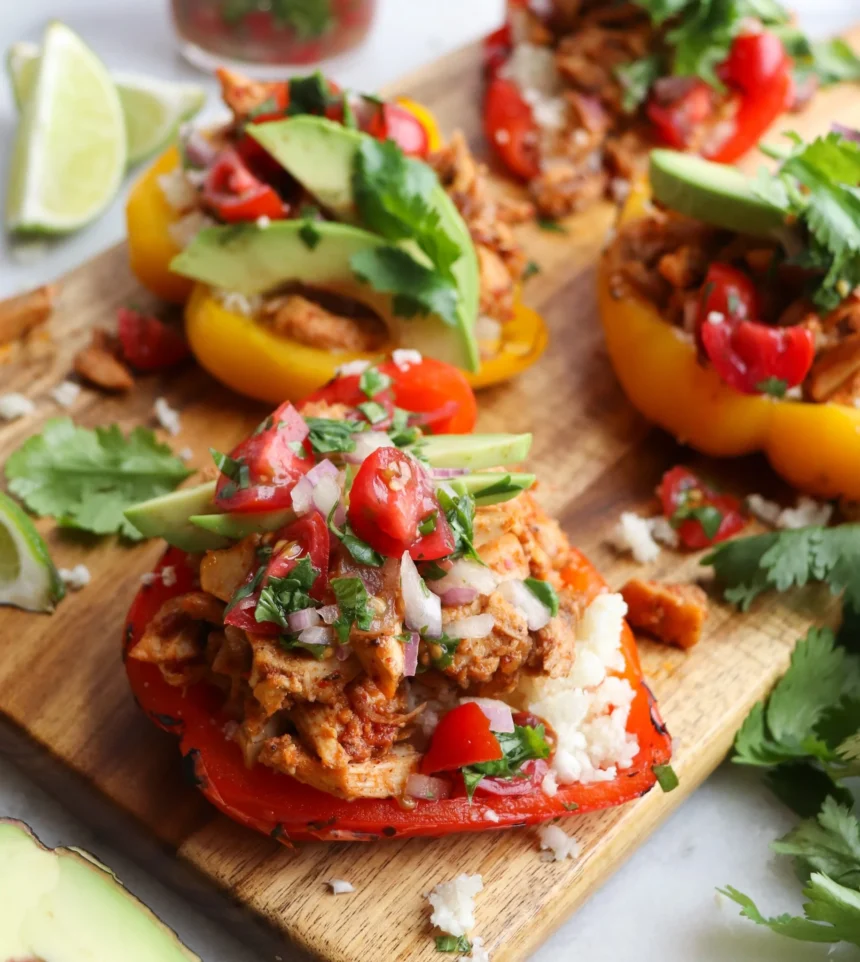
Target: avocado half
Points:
(60, 905)
(253, 260)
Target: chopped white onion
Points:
(326, 495)
(474, 626)
(306, 618)
(442, 473)
(536, 612)
(427, 787)
(410, 656)
(302, 496)
(317, 635)
(423, 609)
(498, 713)
(467, 574)
(319, 487)
(366, 442)
(343, 652)
(329, 614)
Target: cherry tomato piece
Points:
(393, 122)
(677, 120)
(462, 737)
(266, 465)
(497, 49)
(701, 515)
(148, 344)
(753, 61)
(510, 128)
(234, 194)
(729, 292)
(390, 497)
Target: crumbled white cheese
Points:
(491, 815)
(177, 189)
(340, 887)
(352, 367)
(238, 303)
(662, 531)
(549, 113)
(168, 576)
(549, 785)
(75, 578)
(166, 416)
(263, 222)
(556, 844)
(186, 454)
(532, 67)
(66, 393)
(15, 405)
(404, 357)
(183, 231)
(633, 534)
(148, 578)
(619, 188)
(454, 904)
(806, 512)
(766, 511)
(479, 953)
(715, 317)
(502, 136)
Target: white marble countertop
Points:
(661, 906)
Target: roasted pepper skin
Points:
(815, 447)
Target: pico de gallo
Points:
(378, 632)
(732, 316)
(578, 93)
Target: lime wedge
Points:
(70, 152)
(153, 109)
(28, 578)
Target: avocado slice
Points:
(472, 451)
(254, 260)
(169, 517)
(320, 154)
(63, 905)
(497, 485)
(714, 193)
(236, 526)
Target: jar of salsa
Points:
(268, 34)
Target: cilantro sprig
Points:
(523, 744)
(284, 596)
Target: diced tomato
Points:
(148, 344)
(754, 60)
(757, 358)
(269, 465)
(462, 737)
(497, 49)
(676, 121)
(392, 122)
(390, 497)
(234, 194)
(729, 292)
(692, 506)
(510, 128)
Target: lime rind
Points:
(28, 578)
(21, 64)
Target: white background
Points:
(661, 906)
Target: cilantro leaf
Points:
(544, 592)
(637, 78)
(773, 386)
(416, 289)
(523, 744)
(354, 604)
(327, 435)
(442, 651)
(829, 843)
(551, 225)
(283, 596)
(309, 18)
(459, 508)
(360, 550)
(86, 479)
(372, 411)
(309, 95)
(309, 234)
(372, 381)
(803, 788)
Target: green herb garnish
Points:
(519, 746)
(544, 592)
(354, 604)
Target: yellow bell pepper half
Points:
(816, 447)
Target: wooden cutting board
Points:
(61, 679)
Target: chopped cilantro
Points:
(235, 469)
(523, 744)
(551, 226)
(372, 382)
(428, 525)
(349, 120)
(447, 648)
(291, 642)
(309, 95)
(430, 571)
(453, 943)
(544, 592)
(708, 516)
(360, 550)
(327, 435)
(247, 588)
(773, 386)
(374, 412)
(310, 234)
(531, 268)
(283, 596)
(637, 78)
(400, 432)
(499, 490)
(666, 777)
(459, 508)
(569, 806)
(354, 604)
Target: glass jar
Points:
(267, 38)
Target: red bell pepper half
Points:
(279, 806)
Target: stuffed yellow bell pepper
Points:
(731, 313)
(279, 295)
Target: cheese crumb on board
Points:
(75, 578)
(633, 534)
(479, 953)
(403, 357)
(340, 886)
(66, 393)
(556, 844)
(807, 512)
(14, 406)
(168, 576)
(454, 904)
(352, 367)
(166, 416)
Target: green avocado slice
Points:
(475, 452)
(714, 193)
(254, 260)
(63, 905)
(169, 517)
(320, 154)
(238, 525)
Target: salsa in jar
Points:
(269, 33)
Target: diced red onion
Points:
(536, 612)
(325, 469)
(197, 149)
(459, 596)
(306, 618)
(343, 652)
(441, 473)
(317, 635)
(366, 442)
(423, 609)
(473, 626)
(465, 573)
(534, 769)
(848, 132)
(427, 787)
(667, 90)
(340, 515)
(410, 656)
(499, 714)
(329, 614)
(322, 478)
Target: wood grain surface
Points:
(61, 679)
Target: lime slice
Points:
(153, 109)
(69, 154)
(28, 578)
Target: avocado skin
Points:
(713, 193)
(168, 517)
(236, 526)
(62, 903)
